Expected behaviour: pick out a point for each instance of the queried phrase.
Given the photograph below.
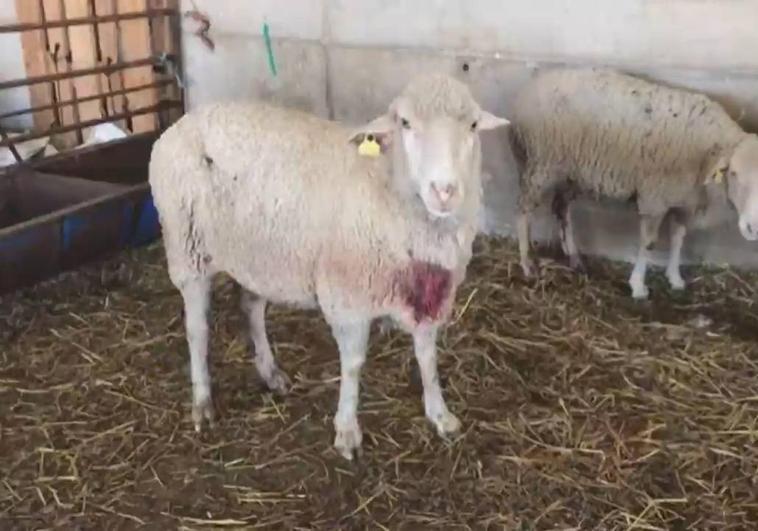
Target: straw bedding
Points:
(582, 409)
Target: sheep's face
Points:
(742, 182)
(432, 130)
(441, 156)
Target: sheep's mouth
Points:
(434, 212)
(440, 214)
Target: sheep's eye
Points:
(473, 125)
(405, 123)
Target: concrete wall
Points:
(12, 67)
(347, 58)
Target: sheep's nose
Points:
(750, 229)
(444, 192)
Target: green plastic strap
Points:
(269, 49)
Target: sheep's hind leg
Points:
(677, 234)
(562, 210)
(254, 308)
(425, 349)
(522, 229)
(352, 340)
(196, 293)
(649, 226)
(534, 186)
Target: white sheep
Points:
(283, 202)
(613, 135)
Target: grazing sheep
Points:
(283, 202)
(616, 136)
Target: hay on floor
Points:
(582, 409)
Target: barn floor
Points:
(582, 409)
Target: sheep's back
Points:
(611, 132)
(273, 191)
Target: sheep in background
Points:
(283, 202)
(612, 135)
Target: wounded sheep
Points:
(607, 134)
(283, 202)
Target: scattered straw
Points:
(582, 409)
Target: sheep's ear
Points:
(380, 128)
(487, 120)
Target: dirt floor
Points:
(582, 409)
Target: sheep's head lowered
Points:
(432, 132)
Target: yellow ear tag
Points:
(719, 175)
(369, 147)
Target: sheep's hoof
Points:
(203, 409)
(528, 267)
(348, 440)
(446, 424)
(278, 382)
(577, 264)
(640, 292)
(676, 282)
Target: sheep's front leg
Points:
(425, 348)
(649, 226)
(197, 296)
(352, 340)
(678, 232)
(254, 308)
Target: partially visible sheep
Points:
(613, 135)
(282, 201)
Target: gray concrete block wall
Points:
(238, 69)
(347, 58)
(678, 33)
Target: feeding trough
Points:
(92, 198)
(74, 208)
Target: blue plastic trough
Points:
(64, 211)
